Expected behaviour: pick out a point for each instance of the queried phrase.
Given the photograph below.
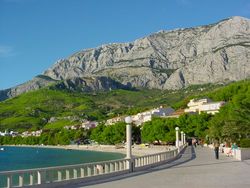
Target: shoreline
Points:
(137, 150)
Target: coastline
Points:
(137, 150)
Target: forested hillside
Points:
(33, 110)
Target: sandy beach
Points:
(137, 150)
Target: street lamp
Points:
(182, 138)
(177, 137)
(128, 121)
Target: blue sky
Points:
(36, 33)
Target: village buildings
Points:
(204, 105)
(194, 106)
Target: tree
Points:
(158, 130)
(233, 121)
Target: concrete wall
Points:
(242, 154)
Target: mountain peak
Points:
(214, 53)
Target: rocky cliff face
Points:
(34, 84)
(174, 59)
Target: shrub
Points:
(245, 143)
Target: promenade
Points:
(196, 167)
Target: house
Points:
(13, 133)
(161, 112)
(32, 133)
(212, 108)
(176, 114)
(89, 124)
(142, 117)
(36, 133)
(4, 133)
(26, 134)
(114, 120)
(204, 105)
(71, 127)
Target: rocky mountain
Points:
(215, 53)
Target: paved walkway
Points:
(196, 168)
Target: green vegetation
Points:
(49, 137)
(245, 143)
(159, 130)
(113, 134)
(31, 111)
(233, 121)
(57, 124)
(163, 129)
(34, 110)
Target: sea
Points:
(16, 158)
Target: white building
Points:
(161, 112)
(36, 133)
(204, 105)
(89, 124)
(4, 133)
(143, 117)
(32, 133)
(114, 120)
(140, 118)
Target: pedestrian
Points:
(194, 142)
(216, 149)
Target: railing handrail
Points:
(76, 171)
(60, 167)
(153, 154)
(78, 165)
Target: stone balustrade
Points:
(71, 173)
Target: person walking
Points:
(216, 149)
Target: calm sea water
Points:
(15, 158)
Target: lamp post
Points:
(128, 121)
(177, 137)
(182, 138)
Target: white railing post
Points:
(120, 165)
(9, 181)
(20, 180)
(89, 171)
(59, 175)
(40, 177)
(159, 158)
(106, 168)
(82, 172)
(31, 178)
(111, 169)
(116, 166)
(67, 174)
(75, 173)
(100, 169)
(95, 170)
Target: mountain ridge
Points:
(175, 59)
